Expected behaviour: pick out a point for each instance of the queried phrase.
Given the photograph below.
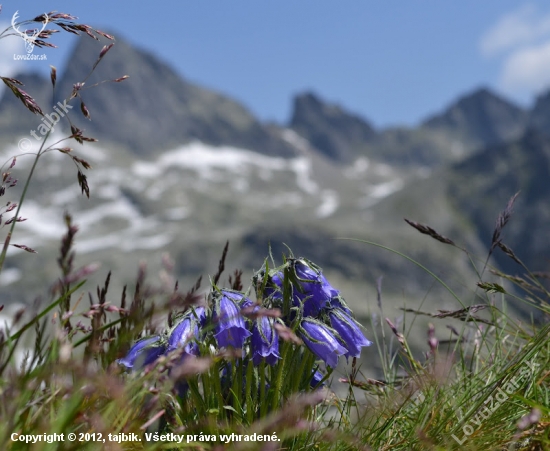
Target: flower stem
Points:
(263, 398)
(248, 393)
(21, 200)
(307, 360)
(277, 389)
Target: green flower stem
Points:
(287, 293)
(248, 393)
(277, 389)
(209, 395)
(307, 360)
(263, 398)
(280, 371)
(217, 388)
(196, 398)
(21, 200)
(237, 387)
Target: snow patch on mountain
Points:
(177, 213)
(42, 222)
(304, 175)
(357, 169)
(215, 163)
(375, 193)
(385, 189)
(296, 140)
(120, 207)
(329, 203)
(123, 240)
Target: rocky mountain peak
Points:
(539, 117)
(482, 117)
(156, 108)
(333, 131)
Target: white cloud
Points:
(523, 26)
(527, 69)
(521, 39)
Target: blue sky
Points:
(393, 62)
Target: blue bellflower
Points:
(349, 332)
(239, 298)
(143, 352)
(321, 341)
(265, 341)
(310, 288)
(186, 331)
(230, 325)
(185, 334)
(317, 290)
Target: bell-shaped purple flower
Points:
(230, 325)
(143, 352)
(317, 291)
(239, 298)
(349, 332)
(186, 331)
(265, 341)
(321, 341)
(185, 334)
(310, 288)
(313, 281)
(274, 288)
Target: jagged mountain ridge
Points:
(162, 110)
(187, 170)
(480, 117)
(539, 116)
(153, 110)
(338, 134)
(475, 120)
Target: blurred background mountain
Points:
(180, 169)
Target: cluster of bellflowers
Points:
(294, 297)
